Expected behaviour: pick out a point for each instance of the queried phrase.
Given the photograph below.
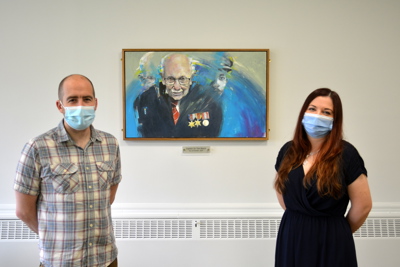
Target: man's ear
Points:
(59, 106)
(95, 105)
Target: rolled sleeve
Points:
(27, 179)
(117, 174)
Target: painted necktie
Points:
(175, 112)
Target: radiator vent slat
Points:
(148, 229)
(379, 228)
(15, 230)
(204, 229)
(239, 228)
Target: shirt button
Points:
(87, 168)
(91, 225)
(90, 244)
(90, 186)
(91, 206)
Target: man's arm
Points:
(113, 192)
(26, 210)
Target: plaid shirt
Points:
(73, 189)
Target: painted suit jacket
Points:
(200, 113)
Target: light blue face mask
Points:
(79, 117)
(317, 126)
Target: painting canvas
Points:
(201, 94)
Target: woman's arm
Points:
(279, 196)
(361, 202)
(280, 200)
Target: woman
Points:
(318, 173)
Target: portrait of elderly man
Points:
(178, 107)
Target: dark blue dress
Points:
(314, 231)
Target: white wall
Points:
(350, 46)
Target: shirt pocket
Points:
(65, 178)
(105, 170)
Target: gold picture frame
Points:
(224, 97)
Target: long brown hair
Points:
(326, 166)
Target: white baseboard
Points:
(208, 210)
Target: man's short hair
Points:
(61, 89)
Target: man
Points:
(66, 181)
(178, 108)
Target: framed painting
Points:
(195, 94)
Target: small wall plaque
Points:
(196, 149)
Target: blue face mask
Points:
(79, 117)
(317, 126)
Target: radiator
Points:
(203, 229)
(203, 242)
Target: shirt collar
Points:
(62, 135)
